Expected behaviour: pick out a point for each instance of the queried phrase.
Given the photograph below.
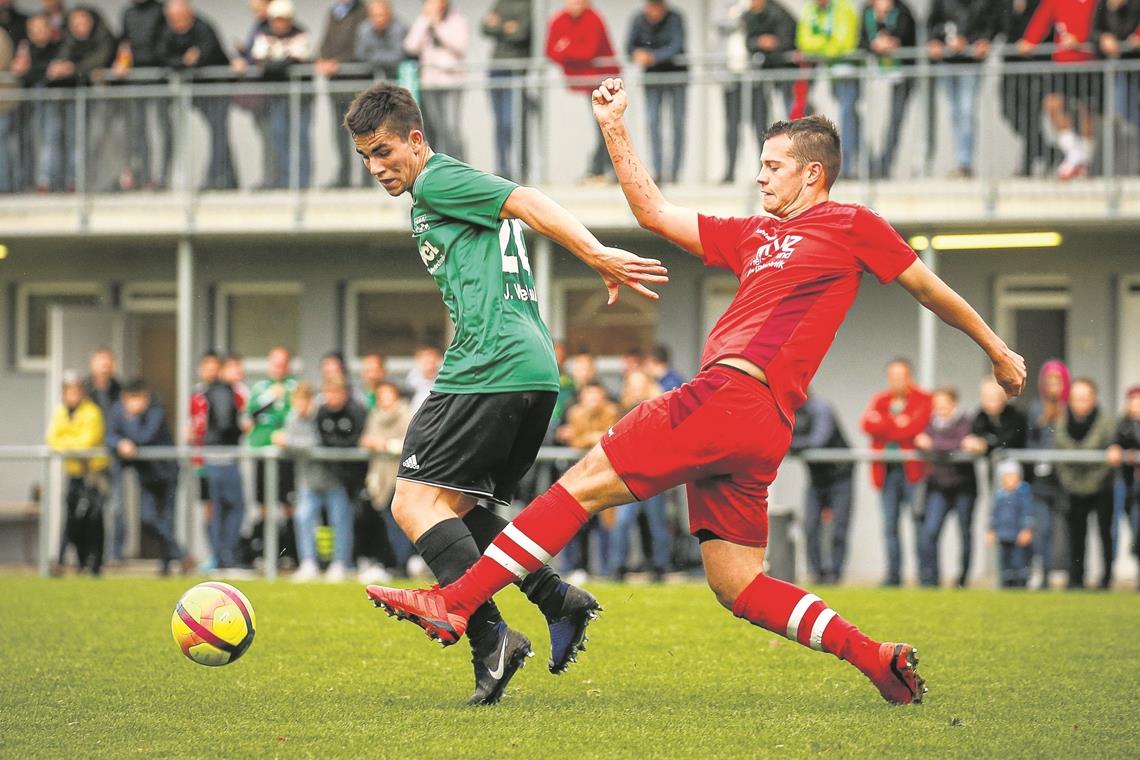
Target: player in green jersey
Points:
(480, 429)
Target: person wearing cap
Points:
(1125, 453)
(1011, 525)
(275, 50)
(76, 425)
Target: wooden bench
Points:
(19, 524)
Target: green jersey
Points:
(480, 264)
(269, 408)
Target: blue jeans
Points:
(1013, 564)
(508, 103)
(7, 166)
(655, 97)
(846, 91)
(280, 112)
(156, 508)
(1128, 96)
(835, 496)
(962, 92)
(340, 518)
(228, 512)
(939, 503)
(576, 555)
(1043, 532)
(654, 508)
(402, 548)
(897, 493)
(220, 173)
(55, 123)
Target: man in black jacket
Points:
(508, 24)
(137, 422)
(830, 488)
(886, 26)
(188, 43)
(224, 428)
(143, 23)
(656, 42)
(340, 423)
(1116, 33)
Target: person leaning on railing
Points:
(1088, 486)
(189, 42)
(338, 46)
(1125, 453)
(77, 425)
(440, 37)
(656, 43)
(508, 23)
(147, 119)
(888, 25)
(9, 112)
(1071, 23)
(275, 50)
(829, 30)
(1116, 32)
(961, 33)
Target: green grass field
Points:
(88, 669)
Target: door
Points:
(1033, 312)
(75, 332)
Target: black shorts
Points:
(480, 443)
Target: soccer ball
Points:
(213, 623)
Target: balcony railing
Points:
(198, 139)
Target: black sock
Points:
(448, 549)
(543, 587)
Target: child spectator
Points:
(300, 433)
(950, 486)
(1011, 525)
(380, 540)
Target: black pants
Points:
(371, 535)
(84, 527)
(1080, 507)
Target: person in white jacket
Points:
(439, 37)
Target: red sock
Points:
(539, 532)
(788, 610)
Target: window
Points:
(254, 317)
(150, 297)
(32, 303)
(582, 317)
(394, 318)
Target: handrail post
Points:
(271, 505)
(44, 553)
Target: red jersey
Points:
(576, 43)
(798, 277)
(1072, 16)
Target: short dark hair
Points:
(946, 390)
(814, 138)
(384, 105)
(135, 386)
(661, 353)
(210, 354)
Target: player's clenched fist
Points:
(609, 101)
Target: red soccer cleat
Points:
(898, 679)
(424, 607)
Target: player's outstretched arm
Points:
(617, 267)
(930, 291)
(674, 223)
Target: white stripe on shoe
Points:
(526, 544)
(798, 613)
(506, 561)
(820, 626)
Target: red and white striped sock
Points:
(800, 616)
(527, 543)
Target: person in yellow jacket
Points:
(76, 425)
(828, 31)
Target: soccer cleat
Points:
(424, 607)
(494, 669)
(898, 679)
(568, 630)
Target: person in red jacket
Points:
(577, 40)
(893, 419)
(1071, 22)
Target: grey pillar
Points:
(542, 263)
(185, 368)
(927, 330)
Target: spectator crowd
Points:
(762, 51)
(336, 508)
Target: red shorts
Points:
(722, 435)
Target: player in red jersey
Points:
(725, 433)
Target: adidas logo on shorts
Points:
(411, 463)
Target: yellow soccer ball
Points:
(213, 623)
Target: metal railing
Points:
(51, 499)
(191, 137)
